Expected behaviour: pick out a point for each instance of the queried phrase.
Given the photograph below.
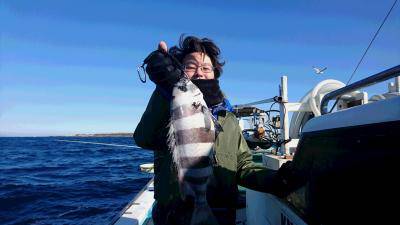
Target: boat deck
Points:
(138, 211)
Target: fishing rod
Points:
(99, 143)
(147, 167)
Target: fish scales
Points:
(191, 139)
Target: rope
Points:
(98, 143)
(366, 50)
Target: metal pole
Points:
(397, 84)
(268, 100)
(284, 115)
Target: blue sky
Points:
(69, 67)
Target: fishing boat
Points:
(345, 144)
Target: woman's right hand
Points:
(161, 68)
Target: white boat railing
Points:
(393, 72)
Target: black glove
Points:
(163, 70)
(289, 179)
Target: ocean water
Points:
(46, 181)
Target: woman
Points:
(200, 59)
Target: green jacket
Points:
(234, 161)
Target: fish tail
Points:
(202, 215)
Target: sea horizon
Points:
(44, 180)
(74, 135)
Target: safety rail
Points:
(379, 77)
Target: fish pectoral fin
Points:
(207, 120)
(217, 125)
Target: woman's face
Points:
(198, 66)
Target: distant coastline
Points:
(105, 135)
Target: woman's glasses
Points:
(192, 68)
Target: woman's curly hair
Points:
(190, 44)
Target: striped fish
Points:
(191, 139)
